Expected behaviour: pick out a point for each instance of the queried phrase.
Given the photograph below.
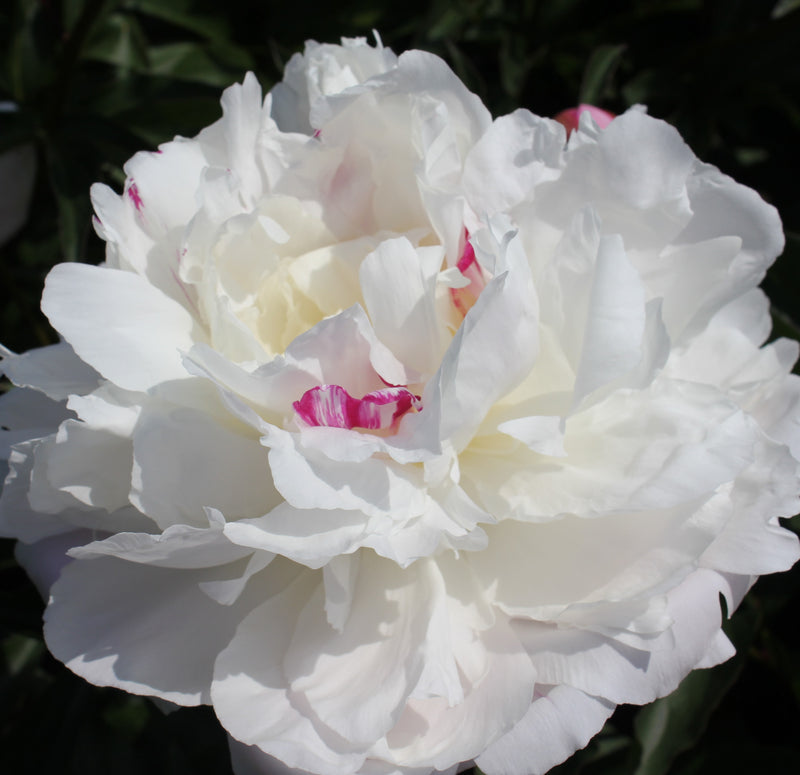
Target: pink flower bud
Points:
(569, 118)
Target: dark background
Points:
(97, 80)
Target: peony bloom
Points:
(402, 436)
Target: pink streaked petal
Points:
(465, 298)
(134, 196)
(333, 407)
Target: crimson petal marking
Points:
(333, 407)
(134, 196)
(465, 298)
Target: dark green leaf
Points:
(599, 71)
(72, 201)
(743, 758)
(782, 7)
(119, 41)
(182, 14)
(195, 62)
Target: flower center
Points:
(332, 406)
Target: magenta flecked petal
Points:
(332, 406)
(464, 298)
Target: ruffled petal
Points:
(604, 667)
(125, 624)
(250, 694)
(560, 721)
(186, 460)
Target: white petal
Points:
(488, 356)
(27, 414)
(179, 546)
(752, 541)
(645, 160)
(349, 353)
(337, 674)
(124, 624)
(647, 449)
(143, 228)
(399, 286)
(186, 460)
(541, 434)
(722, 206)
(419, 73)
(541, 569)
(313, 537)
(615, 321)
(311, 480)
(56, 371)
(19, 520)
(720, 650)
(272, 387)
(703, 277)
(603, 667)
(241, 123)
(515, 154)
(129, 331)
(80, 467)
(340, 577)
(432, 732)
(559, 722)
(634, 176)
(324, 69)
(44, 560)
(250, 690)
(166, 182)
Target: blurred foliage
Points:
(96, 80)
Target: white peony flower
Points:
(402, 436)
